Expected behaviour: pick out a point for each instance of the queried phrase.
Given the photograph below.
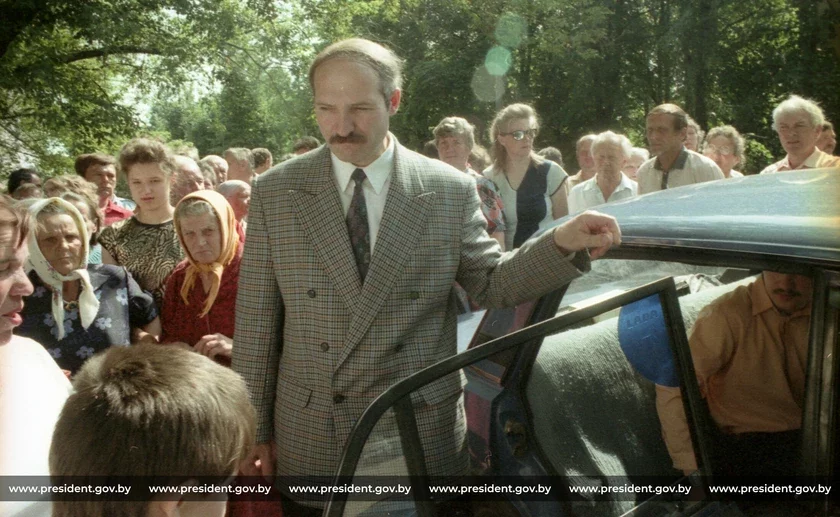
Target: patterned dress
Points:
(122, 306)
(491, 202)
(150, 252)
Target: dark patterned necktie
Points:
(357, 225)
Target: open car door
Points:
(545, 455)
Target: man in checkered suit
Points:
(320, 333)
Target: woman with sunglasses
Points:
(533, 189)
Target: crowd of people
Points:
(333, 278)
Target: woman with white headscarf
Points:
(78, 309)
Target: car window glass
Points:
(381, 473)
(611, 276)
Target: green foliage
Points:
(234, 72)
(65, 67)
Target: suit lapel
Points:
(320, 212)
(403, 220)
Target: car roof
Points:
(794, 214)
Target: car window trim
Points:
(818, 409)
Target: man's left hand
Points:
(590, 230)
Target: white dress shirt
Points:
(375, 187)
(588, 194)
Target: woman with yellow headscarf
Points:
(200, 298)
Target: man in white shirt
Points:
(610, 153)
(799, 123)
(348, 271)
(673, 165)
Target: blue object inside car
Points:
(643, 337)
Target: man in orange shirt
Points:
(750, 351)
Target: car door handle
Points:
(517, 437)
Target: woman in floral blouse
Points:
(78, 309)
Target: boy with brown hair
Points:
(155, 412)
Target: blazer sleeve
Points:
(496, 279)
(259, 316)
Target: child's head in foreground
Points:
(151, 410)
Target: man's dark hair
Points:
(20, 176)
(306, 142)
(680, 116)
(261, 156)
(85, 161)
(553, 154)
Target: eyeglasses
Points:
(723, 151)
(521, 134)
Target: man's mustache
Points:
(352, 138)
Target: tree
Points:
(65, 66)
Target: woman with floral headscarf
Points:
(78, 309)
(200, 300)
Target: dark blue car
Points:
(560, 391)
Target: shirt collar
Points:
(761, 301)
(679, 163)
(592, 183)
(809, 163)
(377, 172)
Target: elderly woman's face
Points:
(202, 236)
(722, 151)
(632, 166)
(60, 242)
(454, 151)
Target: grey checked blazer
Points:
(315, 346)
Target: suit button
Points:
(325, 347)
(414, 295)
(311, 293)
(338, 399)
(399, 347)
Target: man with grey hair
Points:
(240, 164)
(673, 165)
(186, 180)
(609, 152)
(347, 278)
(583, 150)
(798, 123)
(220, 166)
(238, 194)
